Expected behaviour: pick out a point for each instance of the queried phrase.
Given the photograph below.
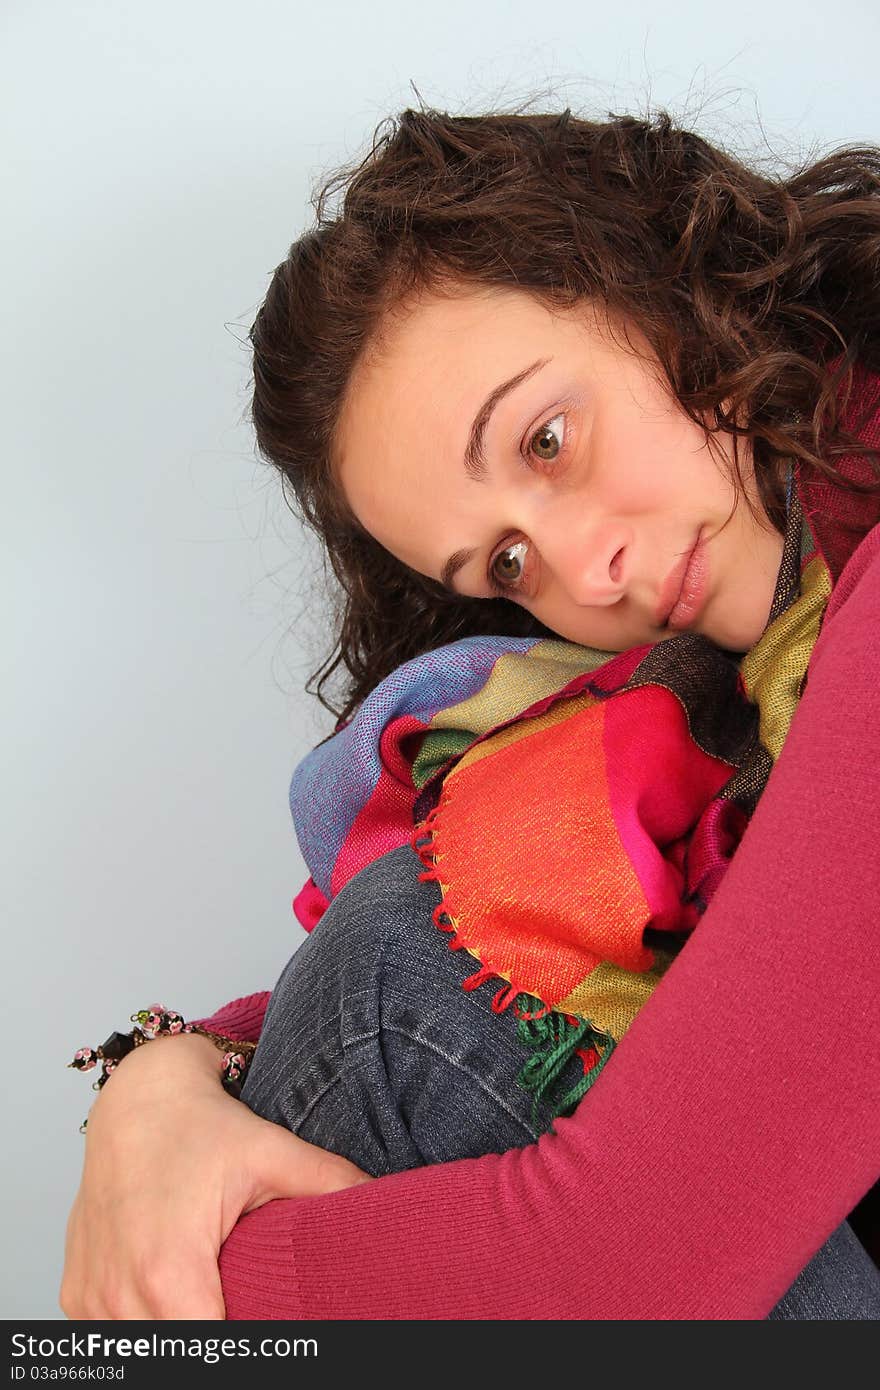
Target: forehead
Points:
(465, 339)
(450, 330)
(434, 360)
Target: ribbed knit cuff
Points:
(241, 1019)
(258, 1268)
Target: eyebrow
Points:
(453, 565)
(475, 460)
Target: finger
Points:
(187, 1296)
(171, 1292)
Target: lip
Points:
(684, 589)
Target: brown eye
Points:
(508, 565)
(546, 442)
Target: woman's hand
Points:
(171, 1162)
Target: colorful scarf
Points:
(578, 808)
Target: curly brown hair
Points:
(756, 294)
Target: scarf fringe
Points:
(552, 1038)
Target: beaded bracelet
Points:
(156, 1022)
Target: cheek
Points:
(625, 454)
(653, 470)
(564, 618)
(639, 477)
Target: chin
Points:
(737, 637)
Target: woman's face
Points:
(505, 448)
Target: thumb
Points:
(291, 1167)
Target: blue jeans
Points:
(371, 1048)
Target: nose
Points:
(588, 559)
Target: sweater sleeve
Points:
(241, 1019)
(737, 1126)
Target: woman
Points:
(536, 374)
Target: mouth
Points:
(683, 589)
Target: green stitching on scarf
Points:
(553, 1041)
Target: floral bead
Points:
(84, 1059)
(234, 1064)
(150, 1020)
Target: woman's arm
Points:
(737, 1126)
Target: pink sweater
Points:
(694, 1181)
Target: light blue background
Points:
(161, 609)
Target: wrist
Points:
(195, 1053)
(151, 1077)
(192, 1054)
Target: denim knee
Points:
(372, 1048)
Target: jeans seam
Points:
(334, 1081)
(268, 1078)
(451, 1061)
